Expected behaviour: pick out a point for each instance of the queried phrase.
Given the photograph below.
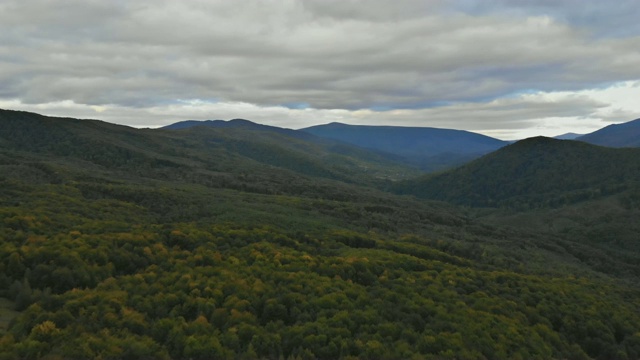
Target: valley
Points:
(244, 241)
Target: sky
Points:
(505, 68)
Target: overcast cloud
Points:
(506, 68)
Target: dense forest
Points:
(533, 173)
(248, 243)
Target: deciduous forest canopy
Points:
(247, 243)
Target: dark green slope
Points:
(137, 251)
(607, 226)
(204, 155)
(617, 135)
(309, 156)
(431, 148)
(535, 172)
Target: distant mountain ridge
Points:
(236, 124)
(616, 135)
(568, 136)
(430, 149)
(435, 147)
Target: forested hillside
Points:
(201, 155)
(125, 243)
(533, 173)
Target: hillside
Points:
(207, 155)
(240, 124)
(430, 148)
(616, 135)
(175, 244)
(536, 172)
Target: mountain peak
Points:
(568, 136)
(536, 141)
(233, 123)
(240, 124)
(615, 135)
(531, 173)
(242, 121)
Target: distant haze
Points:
(507, 69)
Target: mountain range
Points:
(244, 241)
(430, 149)
(616, 135)
(213, 151)
(238, 123)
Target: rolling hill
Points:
(208, 154)
(617, 135)
(535, 172)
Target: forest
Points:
(121, 243)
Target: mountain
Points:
(431, 148)
(215, 153)
(617, 135)
(534, 172)
(568, 136)
(213, 123)
(235, 243)
(238, 124)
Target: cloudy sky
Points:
(505, 68)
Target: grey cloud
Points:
(501, 114)
(328, 54)
(599, 18)
(372, 10)
(619, 116)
